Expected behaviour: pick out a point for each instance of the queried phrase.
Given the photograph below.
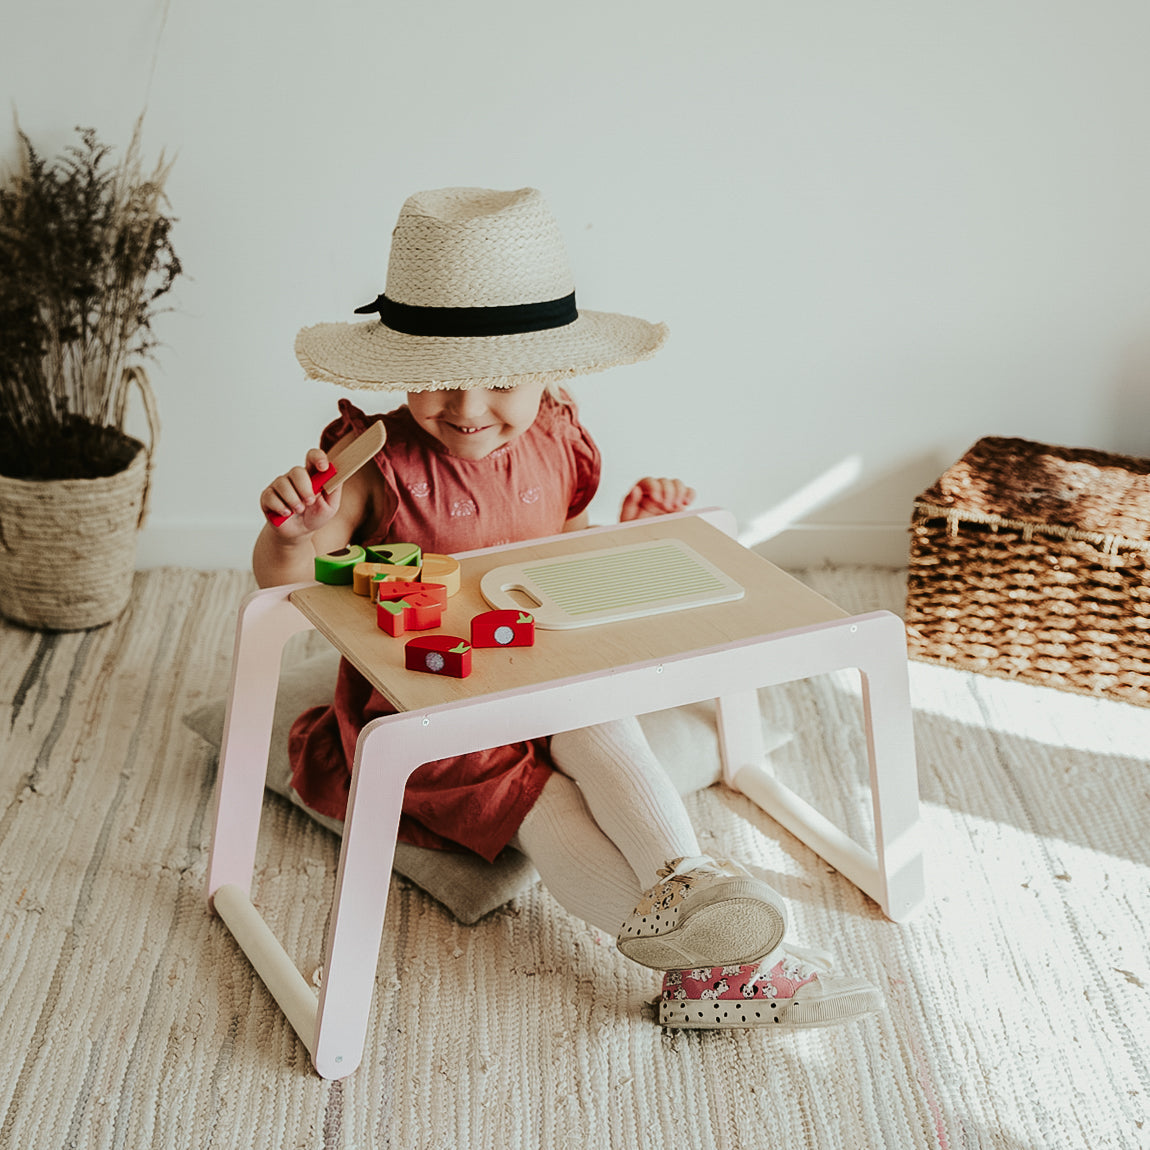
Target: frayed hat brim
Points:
(374, 357)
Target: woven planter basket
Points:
(1033, 562)
(68, 546)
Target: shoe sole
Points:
(735, 923)
(730, 1013)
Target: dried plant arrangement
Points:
(85, 259)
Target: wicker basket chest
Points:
(1033, 562)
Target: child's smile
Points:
(473, 422)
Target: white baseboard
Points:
(197, 545)
(229, 546)
(869, 544)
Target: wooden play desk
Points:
(780, 631)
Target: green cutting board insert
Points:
(609, 586)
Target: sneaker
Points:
(705, 912)
(787, 990)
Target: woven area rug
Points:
(1018, 1000)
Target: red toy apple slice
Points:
(503, 629)
(439, 655)
(391, 588)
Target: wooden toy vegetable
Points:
(442, 569)
(337, 567)
(395, 589)
(365, 574)
(503, 629)
(402, 554)
(417, 612)
(439, 655)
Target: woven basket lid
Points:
(1015, 480)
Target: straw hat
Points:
(479, 293)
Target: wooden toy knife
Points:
(343, 463)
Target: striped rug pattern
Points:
(1018, 1000)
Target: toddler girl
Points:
(478, 325)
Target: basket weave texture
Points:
(1033, 562)
(68, 547)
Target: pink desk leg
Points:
(875, 644)
(379, 776)
(266, 621)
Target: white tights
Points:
(604, 823)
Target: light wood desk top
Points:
(774, 601)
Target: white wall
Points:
(878, 230)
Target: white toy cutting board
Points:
(609, 586)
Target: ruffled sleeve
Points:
(350, 419)
(582, 450)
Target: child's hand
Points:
(655, 497)
(292, 494)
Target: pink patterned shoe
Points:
(705, 912)
(792, 992)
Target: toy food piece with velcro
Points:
(338, 567)
(439, 655)
(503, 629)
(366, 575)
(418, 612)
(402, 606)
(441, 569)
(398, 554)
(391, 587)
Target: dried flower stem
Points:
(85, 256)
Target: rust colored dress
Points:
(524, 490)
